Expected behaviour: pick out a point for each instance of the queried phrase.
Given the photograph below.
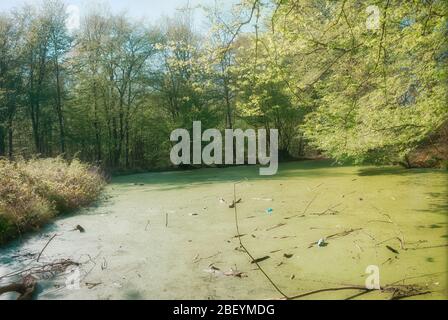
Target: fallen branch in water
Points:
(46, 245)
(398, 291)
(30, 276)
(404, 291)
(25, 288)
(53, 267)
(330, 289)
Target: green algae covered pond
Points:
(173, 236)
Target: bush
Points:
(32, 192)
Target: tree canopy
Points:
(357, 82)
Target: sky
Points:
(150, 10)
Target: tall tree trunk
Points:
(301, 147)
(128, 111)
(59, 109)
(10, 139)
(35, 125)
(127, 145)
(229, 122)
(32, 109)
(121, 134)
(96, 125)
(35, 97)
(116, 151)
(11, 114)
(2, 141)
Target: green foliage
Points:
(377, 93)
(264, 98)
(113, 91)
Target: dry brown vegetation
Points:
(34, 191)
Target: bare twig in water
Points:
(336, 235)
(261, 259)
(52, 267)
(309, 204)
(402, 243)
(392, 249)
(104, 264)
(92, 285)
(381, 221)
(347, 194)
(305, 210)
(429, 247)
(276, 226)
(234, 203)
(358, 246)
(319, 185)
(369, 235)
(46, 245)
(197, 258)
(329, 211)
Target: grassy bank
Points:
(34, 191)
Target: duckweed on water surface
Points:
(360, 211)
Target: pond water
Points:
(165, 235)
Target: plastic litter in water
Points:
(321, 243)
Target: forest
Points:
(352, 94)
(335, 79)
